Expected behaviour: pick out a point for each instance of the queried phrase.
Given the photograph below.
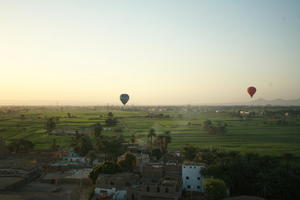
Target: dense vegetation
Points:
(248, 150)
(251, 174)
(264, 130)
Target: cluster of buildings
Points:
(167, 179)
(11, 178)
(156, 181)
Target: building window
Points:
(148, 189)
(198, 187)
(187, 178)
(198, 178)
(158, 189)
(189, 186)
(167, 190)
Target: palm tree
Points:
(163, 141)
(112, 148)
(150, 135)
(91, 155)
(288, 157)
(54, 146)
(81, 144)
(50, 125)
(98, 130)
(133, 139)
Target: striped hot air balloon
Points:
(251, 91)
(124, 98)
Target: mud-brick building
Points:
(159, 181)
(155, 172)
(115, 185)
(162, 190)
(119, 181)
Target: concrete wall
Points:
(191, 178)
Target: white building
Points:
(191, 177)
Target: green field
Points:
(251, 135)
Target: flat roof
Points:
(7, 181)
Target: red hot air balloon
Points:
(251, 90)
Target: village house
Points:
(115, 185)
(74, 157)
(191, 177)
(141, 159)
(152, 172)
(164, 190)
(73, 176)
(110, 194)
(158, 181)
(70, 161)
(174, 157)
(11, 179)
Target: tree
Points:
(128, 163)
(212, 129)
(98, 130)
(190, 152)
(287, 157)
(133, 138)
(150, 135)
(163, 141)
(50, 124)
(111, 121)
(111, 147)
(110, 115)
(81, 144)
(118, 130)
(54, 146)
(3, 148)
(156, 153)
(215, 189)
(107, 167)
(207, 124)
(21, 145)
(91, 155)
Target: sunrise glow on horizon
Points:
(160, 52)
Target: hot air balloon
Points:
(124, 98)
(251, 90)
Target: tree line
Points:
(251, 174)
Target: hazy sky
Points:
(158, 51)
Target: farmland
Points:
(260, 133)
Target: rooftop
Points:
(7, 181)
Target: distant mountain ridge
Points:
(276, 102)
(265, 102)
